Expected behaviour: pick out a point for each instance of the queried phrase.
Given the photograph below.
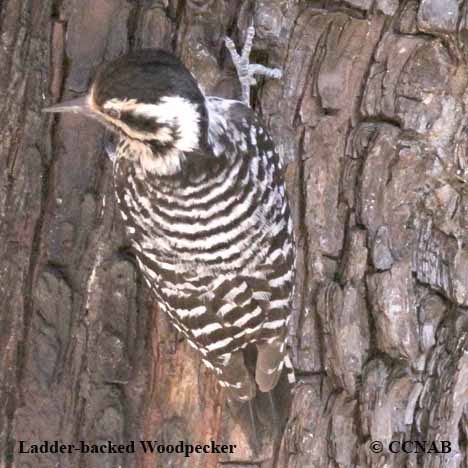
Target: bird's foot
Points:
(246, 71)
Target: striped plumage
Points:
(207, 214)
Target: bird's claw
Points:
(247, 70)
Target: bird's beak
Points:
(78, 106)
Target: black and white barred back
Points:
(214, 241)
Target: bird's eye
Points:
(114, 113)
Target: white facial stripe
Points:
(179, 111)
(120, 105)
(173, 111)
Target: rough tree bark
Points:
(371, 112)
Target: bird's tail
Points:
(234, 376)
(261, 414)
(270, 361)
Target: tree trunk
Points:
(371, 113)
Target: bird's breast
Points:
(217, 223)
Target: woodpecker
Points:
(200, 190)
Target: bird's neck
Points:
(151, 159)
(168, 161)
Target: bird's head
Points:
(148, 97)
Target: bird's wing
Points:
(233, 126)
